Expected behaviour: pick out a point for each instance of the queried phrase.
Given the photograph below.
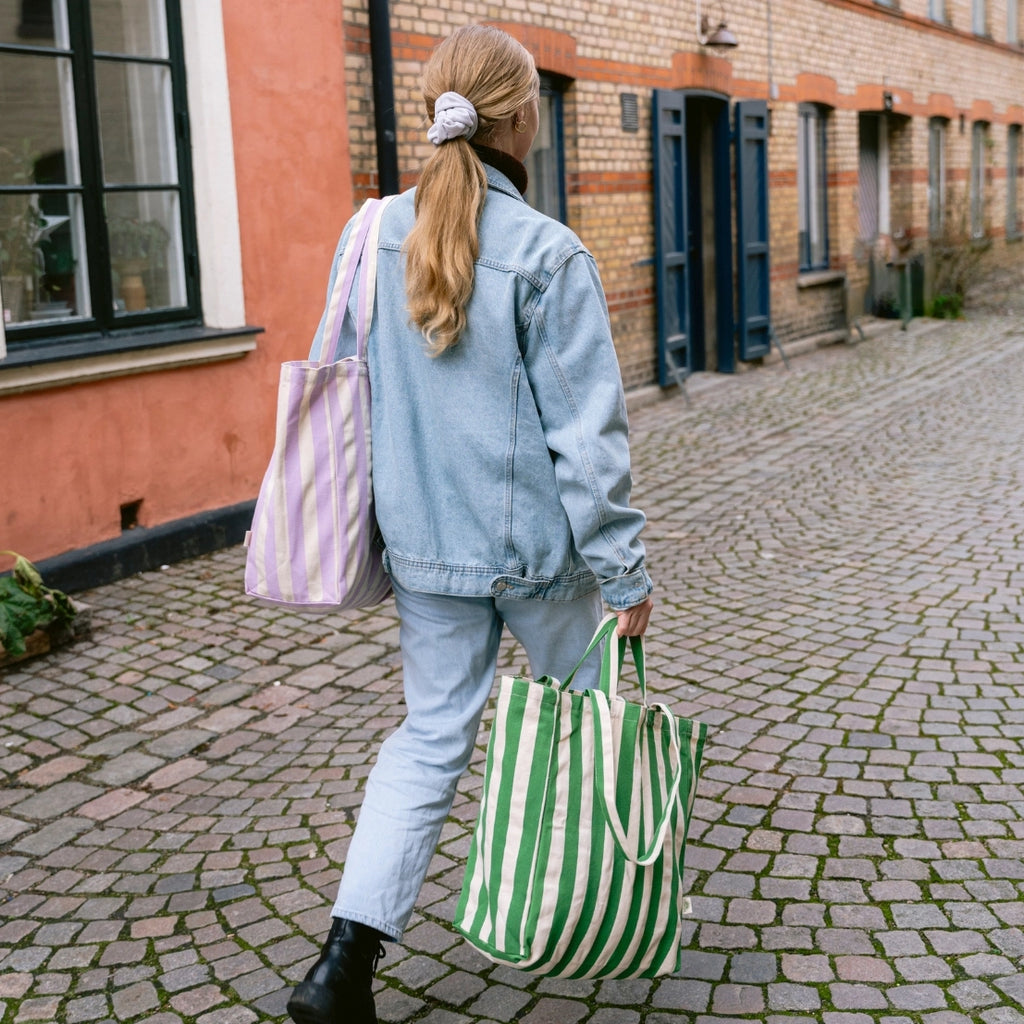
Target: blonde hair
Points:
(498, 76)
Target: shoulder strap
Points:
(360, 250)
(338, 299)
(368, 279)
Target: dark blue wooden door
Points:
(753, 267)
(675, 358)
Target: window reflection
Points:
(132, 27)
(135, 123)
(36, 22)
(544, 163)
(145, 251)
(42, 258)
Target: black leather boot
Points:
(339, 987)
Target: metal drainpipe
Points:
(383, 97)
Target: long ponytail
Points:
(497, 75)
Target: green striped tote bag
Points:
(576, 861)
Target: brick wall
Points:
(851, 56)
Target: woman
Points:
(501, 477)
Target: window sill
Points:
(815, 278)
(60, 364)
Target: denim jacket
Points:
(501, 467)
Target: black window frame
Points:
(103, 331)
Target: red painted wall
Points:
(196, 439)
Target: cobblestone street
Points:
(838, 549)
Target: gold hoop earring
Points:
(519, 126)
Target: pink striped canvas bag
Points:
(314, 541)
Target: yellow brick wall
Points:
(845, 53)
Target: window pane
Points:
(135, 123)
(978, 140)
(42, 258)
(36, 22)
(936, 178)
(812, 189)
(542, 163)
(38, 124)
(20, 256)
(975, 173)
(145, 251)
(819, 239)
(978, 17)
(803, 186)
(132, 27)
(869, 175)
(1012, 171)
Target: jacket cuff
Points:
(622, 592)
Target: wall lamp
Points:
(719, 38)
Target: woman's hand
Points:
(633, 621)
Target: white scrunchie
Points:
(454, 116)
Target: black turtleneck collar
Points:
(508, 165)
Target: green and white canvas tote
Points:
(576, 863)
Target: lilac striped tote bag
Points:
(314, 542)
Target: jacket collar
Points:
(499, 178)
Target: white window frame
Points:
(213, 164)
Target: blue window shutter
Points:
(675, 360)
(754, 267)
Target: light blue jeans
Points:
(449, 657)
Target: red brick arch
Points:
(702, 71)
(940, 104)
(982, 110)
(812, 88)
(554, 51)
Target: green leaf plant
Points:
(27, 604)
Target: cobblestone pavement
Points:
(839, 553)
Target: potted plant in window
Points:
(21, 258)
(136, 246)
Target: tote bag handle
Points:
(611, 668)
(612, 660)
(604, 770)
(361, 251)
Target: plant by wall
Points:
(27, 604)
(957, 261)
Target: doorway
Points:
(709, 228)
(693, 178)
